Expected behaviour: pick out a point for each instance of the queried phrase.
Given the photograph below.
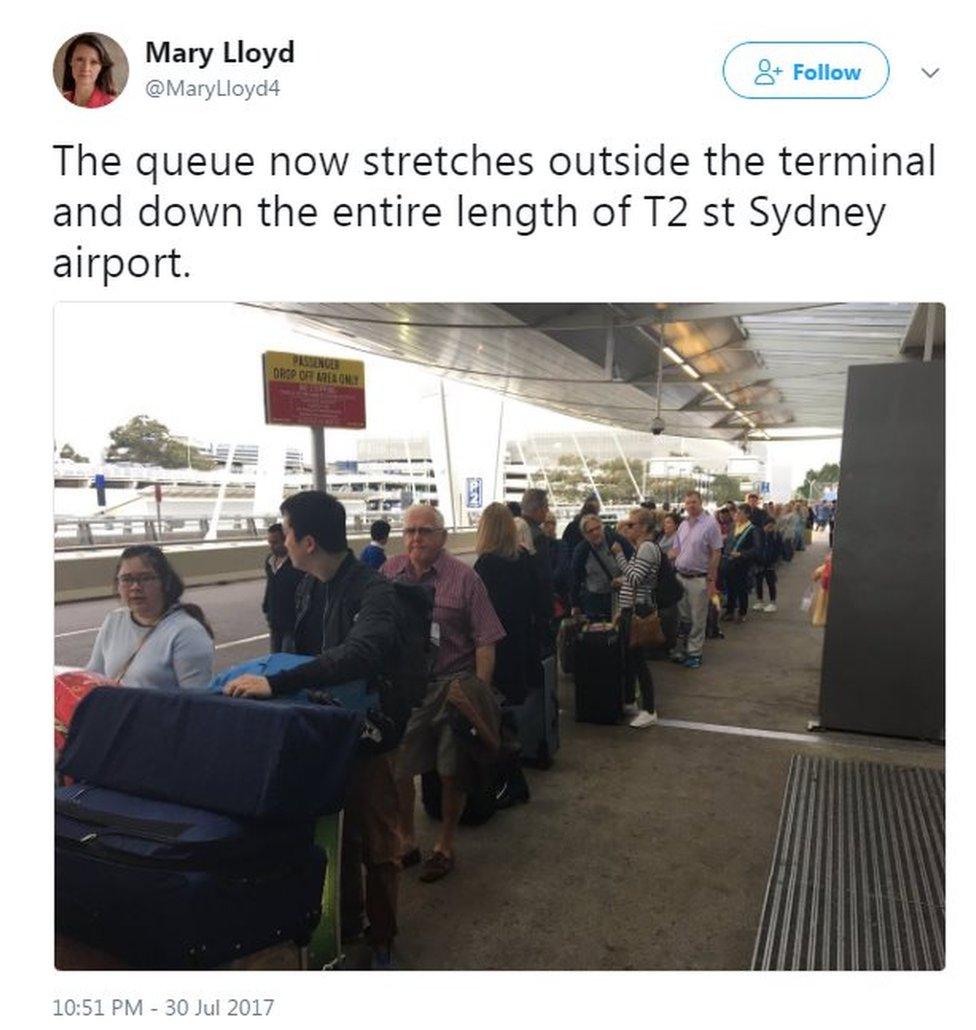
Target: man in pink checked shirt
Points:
(467, 629)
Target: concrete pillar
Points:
(884, 646)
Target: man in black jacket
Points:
(346, 614)
(573, 533)
(279, 591)
(535, 507)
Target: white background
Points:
(513, 76)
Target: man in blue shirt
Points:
(374, 553)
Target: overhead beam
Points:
(697, 403)
(703, 312)
(611, 346)
(906, 336)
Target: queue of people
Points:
(489, 630)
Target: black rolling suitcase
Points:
(186, 839)
(599, 675)
(569, 630)
(538, 720)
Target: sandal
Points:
(437, 866)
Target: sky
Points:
(197, 368)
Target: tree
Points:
(146, 441)
(68, 453)
(724, 488)
(615, 482)
(567, 479)
(671, 489)
(816, 479)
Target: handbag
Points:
(645, 631)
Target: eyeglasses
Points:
(424, 531)
(138, 580)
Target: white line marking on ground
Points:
(243, 640)
(743, 731)
(823, 738)
(217, 647)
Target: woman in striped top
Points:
(638, 580)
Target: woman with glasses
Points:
(154, 640)
(594, 571)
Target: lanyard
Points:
(740, 537)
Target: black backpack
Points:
(669, 590)
(412, 664)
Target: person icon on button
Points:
(765, 77)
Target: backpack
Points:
(412, 665)
(669, 590)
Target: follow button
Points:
(806, 71)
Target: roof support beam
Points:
(696, 312)
(608, 357)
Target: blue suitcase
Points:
(243, 758)
(538, 720)
(167, 886)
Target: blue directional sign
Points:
(473, 491)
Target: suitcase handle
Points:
(131, 826)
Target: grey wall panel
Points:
(884, 646)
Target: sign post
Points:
(318, 457)
(158, 492)
(314, 391)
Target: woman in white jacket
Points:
(638, 581)
(154, 640)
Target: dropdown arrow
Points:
(931, 74)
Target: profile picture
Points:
(90, 70)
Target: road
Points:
(233, 609)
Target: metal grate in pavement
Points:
(858, 873)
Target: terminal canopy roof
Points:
(727, 371)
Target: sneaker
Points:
(739, 618)
(679, 657)
(759, 607)
(631, 709)
(643, 719)
(693, 661)
(770, 607)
